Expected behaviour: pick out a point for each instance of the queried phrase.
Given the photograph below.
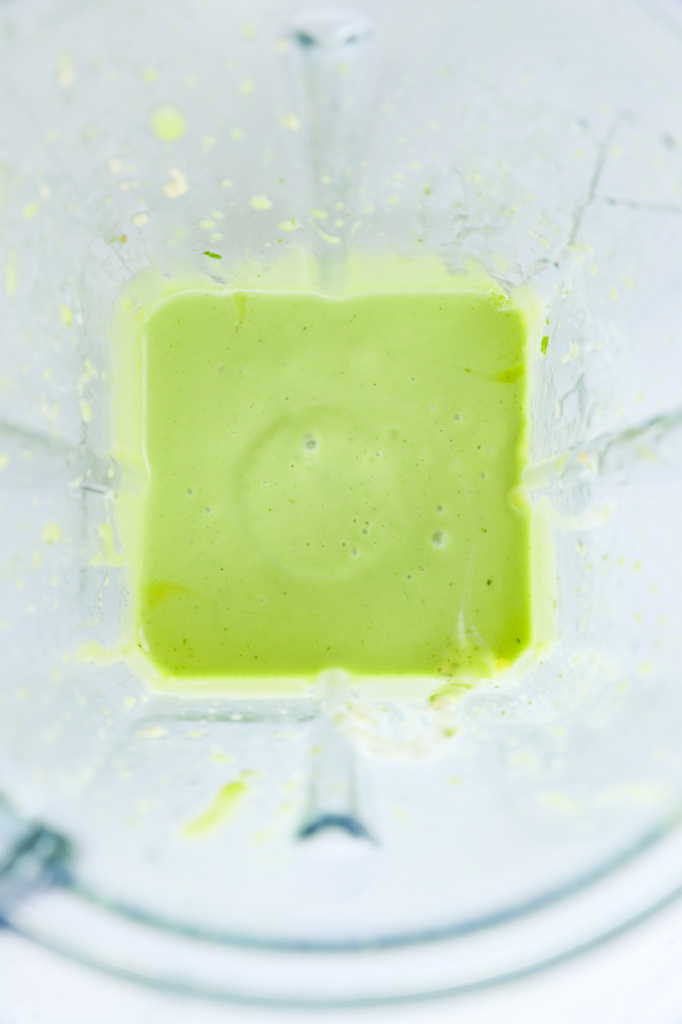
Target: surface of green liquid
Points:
(329, 484)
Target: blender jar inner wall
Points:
(524, 152)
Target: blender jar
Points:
(340, 843)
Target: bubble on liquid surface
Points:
(439, 538)
(324, 481)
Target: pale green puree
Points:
(330, 482)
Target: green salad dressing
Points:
(330, 484)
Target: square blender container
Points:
(340, 844)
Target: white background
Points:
(635, 978)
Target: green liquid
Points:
(329, 484)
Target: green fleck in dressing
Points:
(330, 484)
(261, 202)
(218, 811)
(168, 123)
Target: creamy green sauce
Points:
(329, 484)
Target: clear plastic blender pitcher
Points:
(367, 845)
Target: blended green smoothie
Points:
(329, 484)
